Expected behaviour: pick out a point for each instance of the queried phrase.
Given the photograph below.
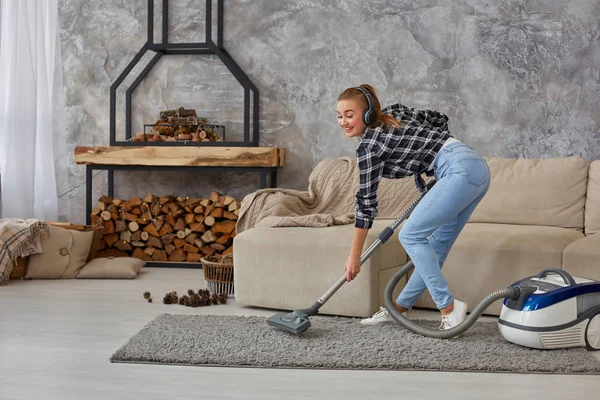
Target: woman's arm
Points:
(352, 266)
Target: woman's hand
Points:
(352, 267)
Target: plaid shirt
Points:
(393, 153)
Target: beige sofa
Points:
(537, 214)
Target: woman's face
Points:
(350, 114)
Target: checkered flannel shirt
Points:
(392, 152)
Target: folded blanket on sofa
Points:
(19, 238)
(329, 200)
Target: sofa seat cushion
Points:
(582, 257)
(290, 268)
(486, 257)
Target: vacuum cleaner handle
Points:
(382, 238)
(567, 278)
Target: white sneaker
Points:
(457, 315)
(380, 317)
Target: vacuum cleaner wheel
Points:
(592, 333)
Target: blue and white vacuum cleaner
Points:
(548, 311)
(555, 310)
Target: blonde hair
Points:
(381, 119)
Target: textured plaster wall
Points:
(517, 78)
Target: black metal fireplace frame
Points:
(208, 47)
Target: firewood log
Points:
(109, 227)
(229, 250)
(177, 255)
(120, 225)
(223, 239)
(197, 210)
(229, 215)
(117, 202)
(188, 248)
(209, 237)
(216, 213)
(144, 236)
(139, 253)
(154, 241)
(150, 198)
(125, 236)
(209, 221)
(180, 225)
(149, 250)
(151, 230)
(123, 245)
(189, 218)
(228, 200)
(209, 251)
(168, 238)
(106, 216)
(137, 236)
(179, 243)
(111, 239)
(218, 246)
(159, 255)
(224, 226)
(134, 226)
(169, 248)
(194, 257)
(169, 218)
(136, 202)
(166, 199)
(215, 196)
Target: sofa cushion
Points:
(64, 253)
(486, 257)
(545, 192)
(582, 257)
(111, 268)
(592, 201)
(290, 268)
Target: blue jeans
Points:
(463, 178)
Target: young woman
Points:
(396, 142)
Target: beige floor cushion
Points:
(582, 258)
(111, 268)
(290, 268)
(487, 257)
(64, 253)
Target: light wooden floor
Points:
(56, 338)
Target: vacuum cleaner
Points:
(549, 310)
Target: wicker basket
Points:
(218, 274)
(19, 268)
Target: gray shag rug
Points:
(339, 343)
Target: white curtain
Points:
(30, 71)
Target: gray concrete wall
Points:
(517, 78)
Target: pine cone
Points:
(190, 292)
(170, 298)
(182, 300)
(150, 300)
(223, 298)
(146, 295)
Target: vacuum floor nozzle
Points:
(295, 322)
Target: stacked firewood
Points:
(167, 228)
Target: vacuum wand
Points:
(297, 321)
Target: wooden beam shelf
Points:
(181, 156)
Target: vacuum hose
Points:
(513, 292)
